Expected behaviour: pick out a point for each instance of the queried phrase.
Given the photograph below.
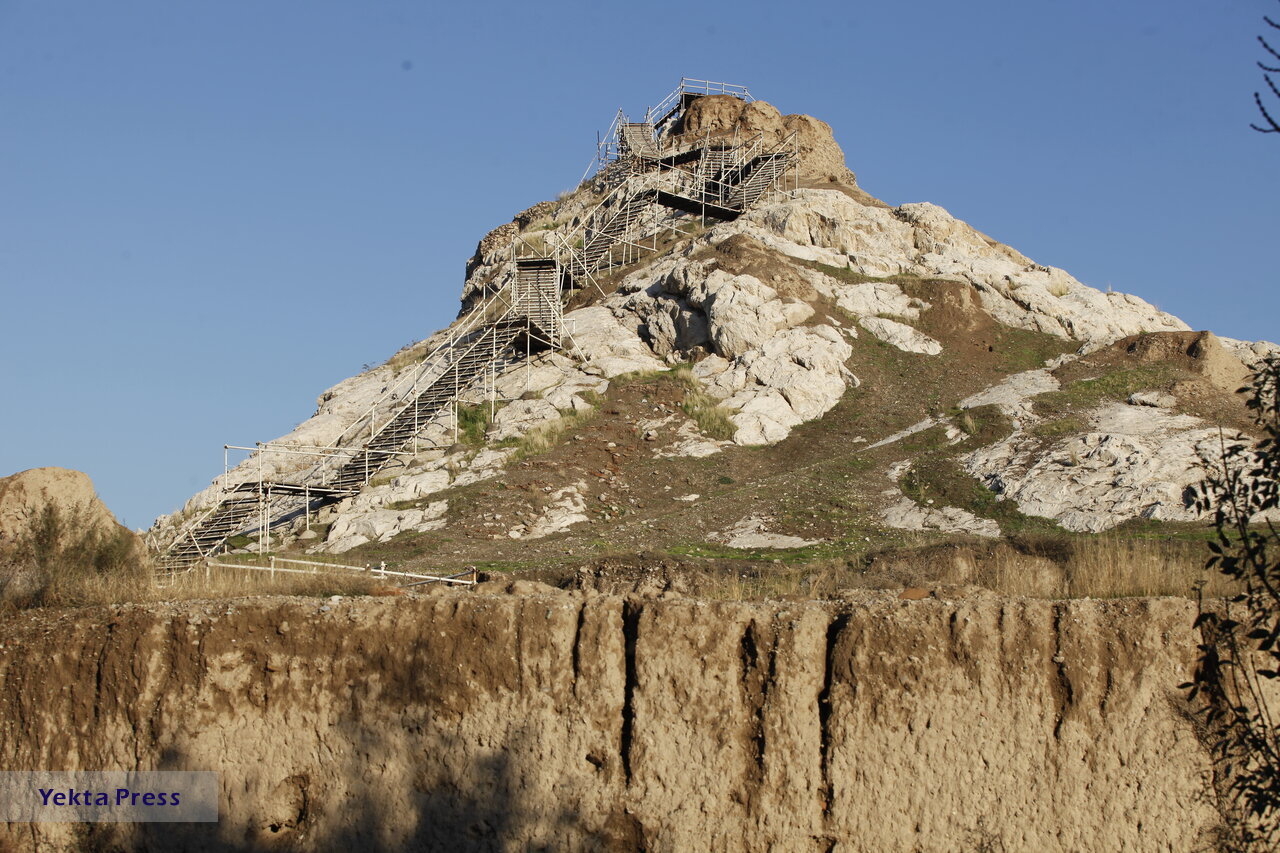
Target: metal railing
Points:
(692, 86)
(274, 565)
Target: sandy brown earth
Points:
(550, 720)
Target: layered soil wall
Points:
(570, 722)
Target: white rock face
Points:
(1136, 461)
(380, 525)
(769, 370)
(555, 376)
(608, 348)
(901, 336)
(905, 514)
(1013, 394)
(521, 416)
(924, 240)
(795, 376)
(870, 299)
(750, 534)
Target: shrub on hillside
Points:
(69, 557)
(1236, 675)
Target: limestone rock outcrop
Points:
(724, 115)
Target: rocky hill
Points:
(738, 518)
(812, 380)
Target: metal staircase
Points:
(756, 178)
(485, 353)
(538, 299)
(607, 230)
(214, 528)
(486, 349)
(636, 138)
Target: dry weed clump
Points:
(712, 418)
(547, 436)
(70, 557)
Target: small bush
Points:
(69, 557)
(712, 418)
(473, 423)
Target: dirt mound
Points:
(25, 496)
(56, 535)
(720, 115)
(1199, 352)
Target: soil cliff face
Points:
(564, 721)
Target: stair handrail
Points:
(582, 226)
(433, 359)
(194, 521)
(320, 471)
(704, 87)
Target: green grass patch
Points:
(1058, 427)
(473, 423)
(1090, 393)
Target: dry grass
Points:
(1105, 566)
(220, 582)
(712, 419)
(795, 583)
(549, 435)
(1111, 567)
(69, 557)
(66, 560)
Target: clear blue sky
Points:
(212, 211)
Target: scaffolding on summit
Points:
(653, 178)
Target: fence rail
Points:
(317, 568)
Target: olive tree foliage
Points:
(1235, 680)
(1272, 66)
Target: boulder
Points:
(901, 335)
(906, 514)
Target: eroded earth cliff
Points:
(563, 721)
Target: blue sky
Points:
(211, 212)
